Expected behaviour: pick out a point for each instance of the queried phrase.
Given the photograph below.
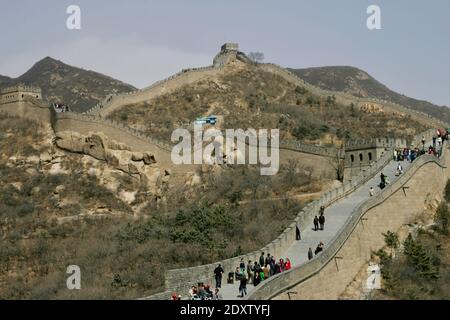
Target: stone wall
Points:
(329, 152)
(371, 150)
(188, 76)
(180, 280)
(176, 81)
(19, 93)
(327, 275)
(30, 108)
(359, 144)
(384, 151)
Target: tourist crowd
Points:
(411, 154)
(253, 272)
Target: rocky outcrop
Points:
(118, 156)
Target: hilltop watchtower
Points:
(230, 47)
(361, 154)
(18, 93)
(229, 52)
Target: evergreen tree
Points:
(391, 240)
(426, 265)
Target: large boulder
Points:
(142, 165)
(70, 141)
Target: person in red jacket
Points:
(287, 265)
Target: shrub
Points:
(391, 239)
(300, 90)
(442, 216)
(447, 191)
(203, 225)
(139, 233)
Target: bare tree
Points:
(256, 57)
(338, 163)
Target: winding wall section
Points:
(327, 275)
(180, 280)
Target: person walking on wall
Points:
(399, 169)
(316, 223)
(261, 259)
(322, 210)
(243, 287)
(242, 266)
(250, 270)
(256, 277)
(383, 178)
(310, 254)
(322, 221)
(297, 233)
(218, 272)
(268, 259)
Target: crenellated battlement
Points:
(374, 143)
(18, 93)
(20, 87)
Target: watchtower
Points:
(18, 93)
(230, 47)
(229, 52)
(361, 154)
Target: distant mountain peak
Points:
(49, 63)
(79, 88)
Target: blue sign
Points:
(207, 120)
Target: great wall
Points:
(180, 280)
(190, 76)
(323, 277)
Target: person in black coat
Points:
(310, 254)
(316, 223)
(261, 259)
(218, 272)
(319, 248)
(383, 178)
(322, 221)
(256, 277)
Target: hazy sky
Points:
(142, 41)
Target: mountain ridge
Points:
(359, 83)
(63, 83)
